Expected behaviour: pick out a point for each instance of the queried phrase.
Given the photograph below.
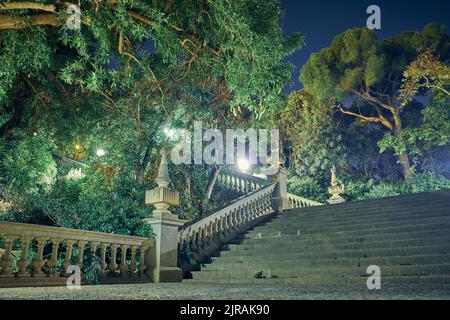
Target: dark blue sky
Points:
(321, 20)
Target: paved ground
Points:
(180, 291)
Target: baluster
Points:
(246, 209)
(104, 264)
(94, 247)
(123, 257)
(133, 264)
(38, 261)
(112, 262)
(80, 256)
(23, 261)
(6, 261)
(142, 265)
(241, 185)
(69, 253)
(53, 262)
(225, 225)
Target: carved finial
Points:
(163, 173)
(161, 197)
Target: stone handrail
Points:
(117, 254)
(208, 233)
(300, 202)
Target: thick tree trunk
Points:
(403, 156)
(187, 181)
(140, 170)
(209, 188)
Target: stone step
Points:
(329, 244)
(338, 238)
(400, 216)
(335, 271)
(321, 280)
(395, 215)
(408, 237)
(348, 212)
(271, 229)
(220, 264)
(369, 252)
(421, 198)
(355, 230)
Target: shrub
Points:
(383, 189)
(427, 181)
(307, 187)
(356, 188)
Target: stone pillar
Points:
(280, 196)
(161, 260)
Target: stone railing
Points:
(240, 182)
(41, 254)
(300, 202)
(206, 235)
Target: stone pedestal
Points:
(161, 260)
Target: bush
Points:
(427, 181)
(307, 187)
(356, 188)
(383, 189)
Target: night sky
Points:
(321, 20)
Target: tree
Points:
(133, 68)
(425, 73)
(358, 67)
(312, 134)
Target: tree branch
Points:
(9, 22)
(381, 120)
(27, 6)
(169, 6)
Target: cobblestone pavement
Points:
(180, 291)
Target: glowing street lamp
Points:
(100, 152)
(243, 165)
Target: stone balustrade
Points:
(240, 182)
(206, 235)
(36, 252)
(300, 202)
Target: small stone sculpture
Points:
(336, 189)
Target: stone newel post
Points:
(161, 261)
(280, 199)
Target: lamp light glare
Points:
(100, 152)
(243, 165)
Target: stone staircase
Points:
(408, 237)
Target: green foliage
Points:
(419, 182)
(314, 139)
(427, 181)
(383, 189)
(356, 187)
(307, 187)
(133, 68)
